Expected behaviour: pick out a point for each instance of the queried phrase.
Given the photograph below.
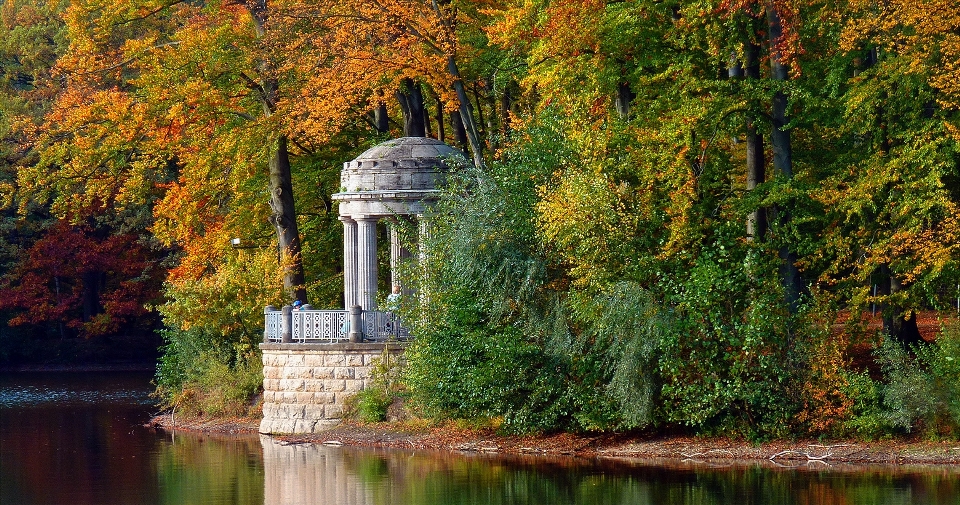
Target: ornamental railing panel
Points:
(272, 325)
(320, 326)
(332, 326)
(383, 326)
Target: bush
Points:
(467, 367)
(199, 375)
(370, 405)
(922, 392)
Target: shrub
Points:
(370, 404)
(198, 376)
(922, 392)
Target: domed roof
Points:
(404, 152)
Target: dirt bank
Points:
(453, 438)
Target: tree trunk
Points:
(284, 215)
(285, 222)
(410, 97)
(625, 96)
(466, 115)
(441, 134)
(782, 158)
(92, 281)
(756, 162)
(381, 121)
(459, 132)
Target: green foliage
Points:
(200, 374)
(922, 392)
(465, 367)
(727, 361)
(370, 404)
(868, 419)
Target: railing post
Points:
(286, 326)
(266, 323)
(356, 324)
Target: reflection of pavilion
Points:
(395, 181)
(310, 474)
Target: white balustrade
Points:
(328, 326)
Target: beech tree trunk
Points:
(466, 115)
(284, 215)
(381, 121)
(284, 220)
(782, 158)
(410, 97)
(756, 161)
(459, 132)
(625, 96)
(441, 134)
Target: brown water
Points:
(78, 439)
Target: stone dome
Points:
(403, 164)
(398, 177)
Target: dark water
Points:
(78, 439)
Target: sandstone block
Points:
(304, 426)
(323, 372)
(313, 385)
(287, 385)
(333, 412)
(343, 373)
(314, 412)
(313, 360)
(335, 360)
(334, 385)
(297, 412)
(324, 398)
(355, 360)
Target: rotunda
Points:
(395, 180)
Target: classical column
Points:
(367, 262)
(350, 297)
(424, 234)
(395, 254)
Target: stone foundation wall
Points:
(305, 386)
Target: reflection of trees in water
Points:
(215, 470)
(308, 473)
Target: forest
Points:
(712, 216)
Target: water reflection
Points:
(79, 439)
(308, 474)
(196, 469)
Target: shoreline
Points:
(450, 438)
(109, 367)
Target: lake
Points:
(78, 439)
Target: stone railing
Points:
(308, 326)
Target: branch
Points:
(255, 86)
(149, 14)
(243, 115)
(128, 60)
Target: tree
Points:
(81, 281)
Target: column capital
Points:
(345, 219)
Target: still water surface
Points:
(78, 439)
